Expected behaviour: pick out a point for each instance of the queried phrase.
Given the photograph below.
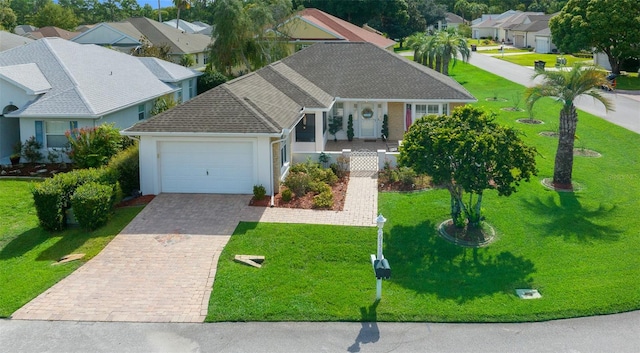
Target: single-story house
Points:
(502, 26)
(524, 34)
(544, 42)
(311, 26)
(126, 35)
(245, 132)
(52, 85)
(451, 20)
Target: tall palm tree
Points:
(181, 5)
(566, 86)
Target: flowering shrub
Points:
(93, 147)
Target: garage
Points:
(221, 167)
(542, 45)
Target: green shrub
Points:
(259, 192)
(406, 176)
(324, 175)
(323, 200)
(31, 150)
(287, 195)
(319, 187)
(127, 165)
(93, 147)
(70, 181)
(92, 204)
(298, 182)
(48, 201)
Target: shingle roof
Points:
(180, 42)
(166, 71)
(272, 98)
(343, 29)
(52, 31)
(86, 80)
(10, 40)
(26, 76)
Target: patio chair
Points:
(391, 147)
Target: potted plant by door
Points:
(16, 154)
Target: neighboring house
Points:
(24, 29)
(189, 27)
(451, 21)
(126, 35)
(543, 42)
(311, 26)
(10, 40)
(52, 85)
(524, 34)
(51, 31)
(501, 27)
(246, 131)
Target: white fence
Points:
(383, 156)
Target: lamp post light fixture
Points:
(380, 220)
(381, 267)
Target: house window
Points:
(179, 99)
(55, 133)
(197, 58)
(205, 59)
(141, 112)
(306, 129)
(338, 109)
(421, 110)
(445, 109)
(433, 109)
(324, 122)
(191, 89)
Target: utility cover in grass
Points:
(528, 293)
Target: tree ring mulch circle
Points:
(549, 133)
(512, 109)
(530, 121)
(548, 183)
(447, 231)
(491, 99)
(583, 152)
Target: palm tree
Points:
(461, 6)
(566, 86)
(449, 45)
(181, 5)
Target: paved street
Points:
(615, 333)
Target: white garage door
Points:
(207, 167)
(542, 45)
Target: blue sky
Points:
(154, 3)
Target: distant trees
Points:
(7, 16)
(438, 50)
(56, 15)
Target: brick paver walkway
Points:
(161, 267)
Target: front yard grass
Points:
(550, 59)
(580, 250)
(628, 82)
(27, 252)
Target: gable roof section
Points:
(114, 34)
(362, 71)
(274, 97)
(342, 29)
(86, 80)
(52, 31)
(158, 33)
(453, 18)
(166, 71)
(10, 40)
(26, 76)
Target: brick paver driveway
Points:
(161, 267)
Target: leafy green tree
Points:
(55, 15)
(468, 152)
(148, 50)
(210, 79)
(610, 26)
(7, 16)
(565, 86)
(187, 60)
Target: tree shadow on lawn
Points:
(422, 261)
(70, 241)
(571, 220)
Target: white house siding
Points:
(13, 95)
(601, 59)
(150, 168)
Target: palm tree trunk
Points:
(445, 65)
(178, 19)
(439, 63)
(564, 155)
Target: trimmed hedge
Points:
(127, 165)
(53, 196)
(92, 203)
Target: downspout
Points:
(273, 192)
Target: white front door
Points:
(368, 117)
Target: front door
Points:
(368, 121)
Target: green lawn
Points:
(508, 50)
(629, 82)
(27, 251)
(550, 59)
(580, 250)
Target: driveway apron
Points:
(162, 266)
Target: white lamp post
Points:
(380, 220)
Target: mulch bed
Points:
(530, 121)
(39, 170)
(469, 237)
(339, 191)
(136, 201)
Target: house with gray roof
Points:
(247, 131)
(9, 40)
(52, 85)
(127, 35)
